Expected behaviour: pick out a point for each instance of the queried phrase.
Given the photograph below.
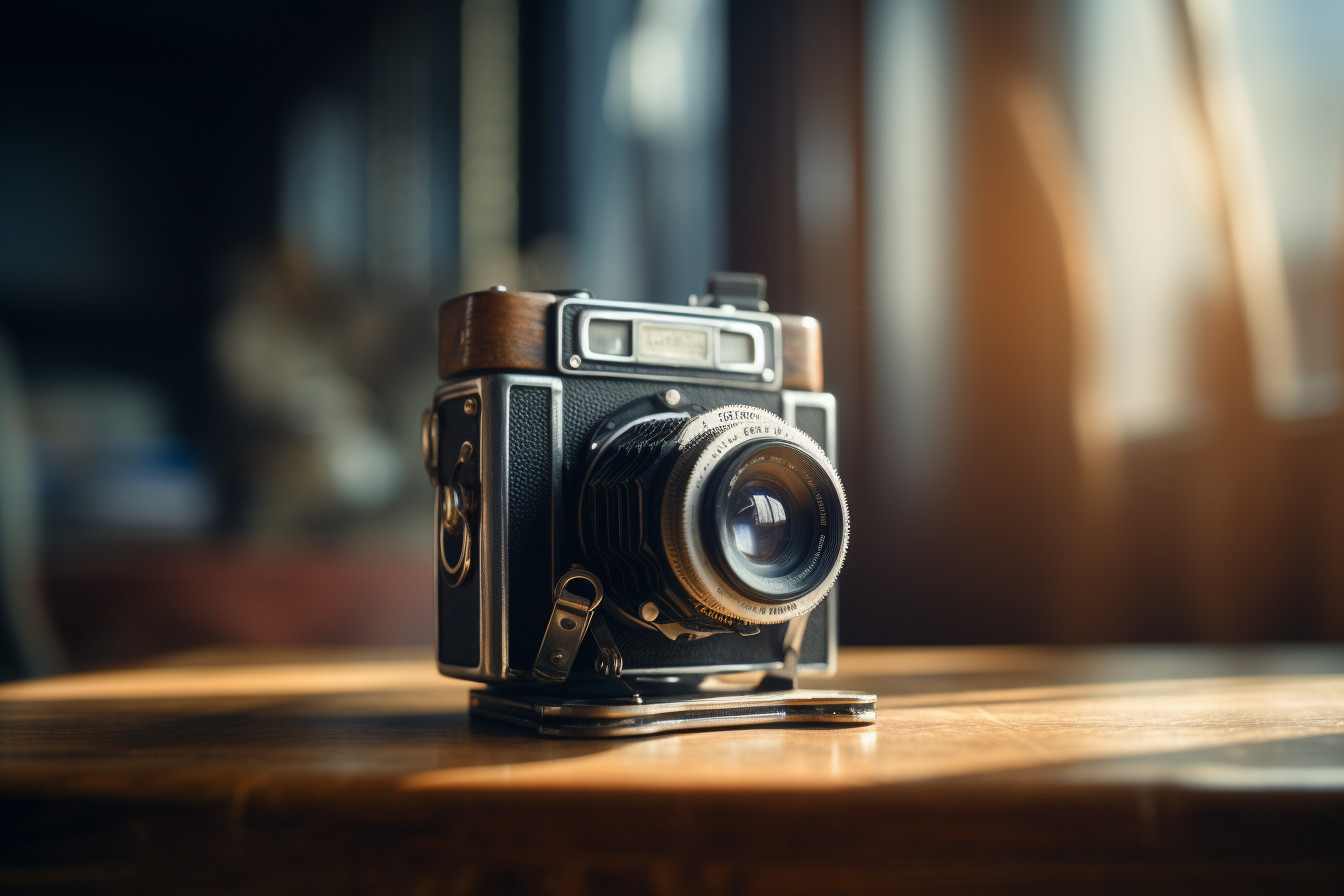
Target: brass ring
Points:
(451, 503)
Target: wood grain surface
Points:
(494, 330)
(802, 353)
(989, 769)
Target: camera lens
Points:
(770, 529)
(744, 511)
(754, 520)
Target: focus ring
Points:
(684, 541)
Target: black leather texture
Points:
(529, 522)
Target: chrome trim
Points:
(495, 527)
(585, 345)
(715, 312)
(717, 669)
(558, 565)
(713, 328)
(757, 346)
(792, 400)
(554, 714)
(755, 324)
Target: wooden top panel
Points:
(1037, 762)
(494, 330)
(802, 353)
(503, 330)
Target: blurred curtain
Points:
(1109, 408)
(1029, 466)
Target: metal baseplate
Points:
(556, 714)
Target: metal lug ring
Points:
(452, 501)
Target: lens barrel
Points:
(754, 520)
(743, 510)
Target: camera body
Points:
(561, 424)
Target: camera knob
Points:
(740, 292)
(452, 502)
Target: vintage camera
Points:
(630, 497)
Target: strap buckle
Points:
(452, 503)
(578, 594)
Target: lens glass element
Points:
(774, 514)
(760, 522)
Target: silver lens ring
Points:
(710, 442)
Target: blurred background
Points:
(1078, 266)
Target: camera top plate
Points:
(502, 329)
(637, 340)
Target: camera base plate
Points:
(556, 714)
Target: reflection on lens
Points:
(760, 523)
(772, 523)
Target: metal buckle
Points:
(452, 501)
(569, 621)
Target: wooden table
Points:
(989, 768)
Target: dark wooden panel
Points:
(802, 353)
(494, 330)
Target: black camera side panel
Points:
(459, 609)
(570, 312)
(529, 521)
(812, 420)
(816, 422)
